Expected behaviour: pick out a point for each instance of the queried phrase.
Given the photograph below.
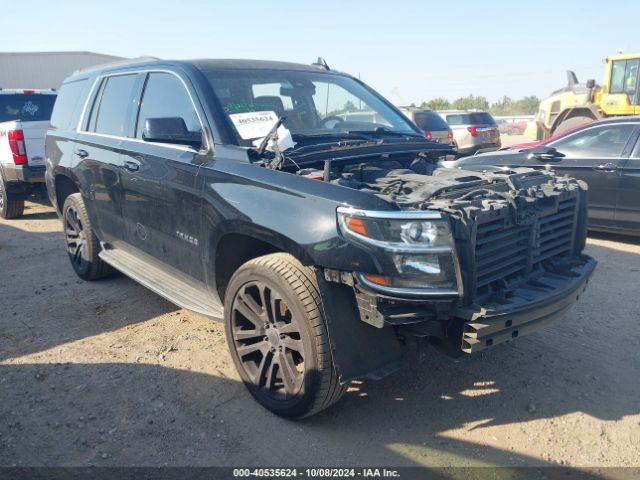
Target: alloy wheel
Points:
(75, 237)
(266, 337)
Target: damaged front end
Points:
(514, 262)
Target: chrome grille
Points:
(504, 251)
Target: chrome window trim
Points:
(98, 80)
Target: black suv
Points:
(328, 241)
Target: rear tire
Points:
(82, 244)
(571, 123)
(10, 207)
(278, 338)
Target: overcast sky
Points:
(407, 50)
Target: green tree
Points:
(507, 106)
(439, 103)
(471, 102)
(528, 105)
(504, 106)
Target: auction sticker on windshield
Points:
(254, 124)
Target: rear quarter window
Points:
(67, 107)
(112, 104)
(30, 107)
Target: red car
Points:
(535, 143)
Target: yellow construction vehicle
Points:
(580, 103)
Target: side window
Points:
(66, 109)
(605, 142)
(631, 78)
(617, 76)
(165, 96)
(113, 100)
(624, 77)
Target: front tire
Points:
(82, 244)
(10, 207)
(278, 338)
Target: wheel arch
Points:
(234, 247)
(64, 185)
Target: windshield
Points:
(477, 118)
(26, 107)
(313, 104)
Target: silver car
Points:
(434, 127)
(473, 132)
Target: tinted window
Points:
(313, 103)
(605, 141)
(165, 96)
(67, 110)
(474, 118)
(114, 100)
(430, 121)
(26, 107)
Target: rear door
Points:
(98, 153)
(162, 200)
(596, 155)
(628, 207)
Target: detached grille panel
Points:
(505, 252)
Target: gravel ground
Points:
(108, 373)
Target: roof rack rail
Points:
(123, 62)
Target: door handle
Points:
(606, 167)
(81, 153)
(131, 166)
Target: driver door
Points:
(596, 155)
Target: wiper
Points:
(273, 134)
(279, 159)
(386, 131)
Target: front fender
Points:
(294, 214)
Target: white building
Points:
(45, 69)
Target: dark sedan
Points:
(604, 154)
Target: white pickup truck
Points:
(24, 119)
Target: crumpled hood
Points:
(460, 192)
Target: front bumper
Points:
(530, 307)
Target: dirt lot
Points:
(108, 373)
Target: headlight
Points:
(419, 244)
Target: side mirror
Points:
(170, 130)
(591, 83)
(545, 154)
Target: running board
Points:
(167, 285)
